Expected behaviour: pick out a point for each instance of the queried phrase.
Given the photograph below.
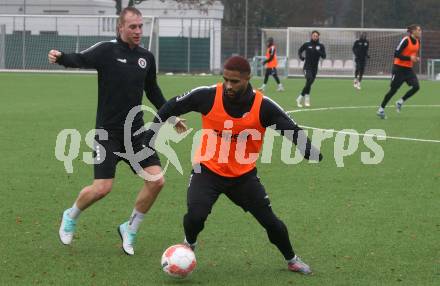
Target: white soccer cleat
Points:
(299, 101)
(128, 238)
(307, 101)
(358, 86)
(381, 114)
(399, 106)
(192, 246)
(297, 265)
(355, 83)
(67, 228)
(280, 87)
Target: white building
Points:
(188, 21)
(58, 7)
(62, 17)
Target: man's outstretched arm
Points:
(89, 58)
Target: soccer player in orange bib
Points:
(271, 63)
(406, 54)
(234, 120)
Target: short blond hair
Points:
(124, 12)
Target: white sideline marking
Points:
(360, 134)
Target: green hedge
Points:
(173, 51)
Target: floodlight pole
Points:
(23, 48)
(362, 13)
(246, 30)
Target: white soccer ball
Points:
(178, 261)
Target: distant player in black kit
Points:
(360, 51)
(271, 63)
(314, 50)
(406, 54)
(125, 71)
(235, 115)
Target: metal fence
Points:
(234, 42)
(233, 39)
(179, 45)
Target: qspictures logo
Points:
(223, 144)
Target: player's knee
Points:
(276, 226)
(268, 219)
(102, 189)
(158, 184)
(393, 89)
(155, 186)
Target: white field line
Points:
(362, 134)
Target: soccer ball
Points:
(178, 261)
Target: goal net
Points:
(338, 43)
(26, 39)
(434, 69)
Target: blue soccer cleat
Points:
(128, 238)
(67, 228)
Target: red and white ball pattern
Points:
(178, 261)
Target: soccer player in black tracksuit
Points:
(314, 51)
(360, 51)
(405, 56)
(125, 71)
(235, 100)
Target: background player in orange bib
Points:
(271, 63)
(406, 54)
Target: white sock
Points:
(299, 97)
(307, 96)
(292, 260)
(74, 212)
(400, 101)
(135, 220)
(190, 244)
(381, 109)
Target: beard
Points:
(235, 96)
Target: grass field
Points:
(356, 225)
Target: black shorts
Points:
(105, 168)
(403, 74)
(245, 191)
(271, 71)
